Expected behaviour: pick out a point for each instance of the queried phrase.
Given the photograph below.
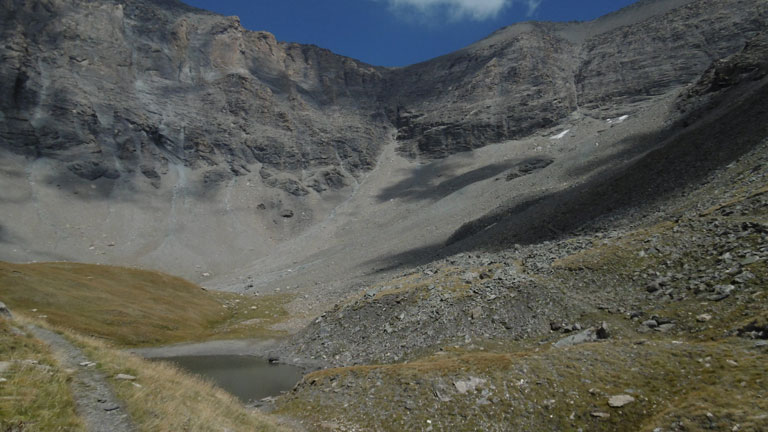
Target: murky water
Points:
(247, 377)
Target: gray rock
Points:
(4, 311)
(469, 385)
(93, 170)
(588, 335)
(651, 323)
(469, 277)
(619, 401)
(653, 286)
(749, 260)
(722, 292)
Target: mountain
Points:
(156, 134)
(560, 227)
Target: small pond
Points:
(247, 377)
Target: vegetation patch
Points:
(132, 307)
(453, 279)
(164, 398)
(546, 389)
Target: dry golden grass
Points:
(621, 252)
(164, 398)
(734, 201)
(447, 278)
(134, 307)
(35, 395)
(171, 400)
(672, 381)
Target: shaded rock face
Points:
(748, 65)
(130, 86)
(487, 93)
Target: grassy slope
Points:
(124, 307)
(35, 395)
(162, 398)
(547, 390)
(134, 307)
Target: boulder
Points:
(591, 334)
(469, 385)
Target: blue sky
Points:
(398, 32)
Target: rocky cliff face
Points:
(125, 88)
(533, 75)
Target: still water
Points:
(247, 377)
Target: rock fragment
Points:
(619, 401)
(4, 311)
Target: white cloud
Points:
(533, 5)
(477, 10)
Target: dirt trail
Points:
(96, 403)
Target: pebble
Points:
(703, 318)
(600, 414)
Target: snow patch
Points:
(560, 135)
(617, 120)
